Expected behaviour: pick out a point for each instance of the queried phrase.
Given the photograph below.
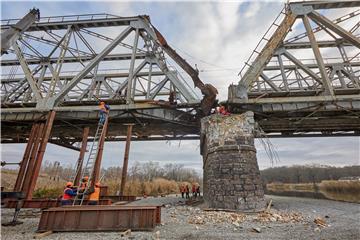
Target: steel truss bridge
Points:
(305, 84)
(68, 63)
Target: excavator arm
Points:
(9, 36)
(208, 90)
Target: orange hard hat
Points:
(69, 184)
(97, 184)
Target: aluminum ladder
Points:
(90, 163)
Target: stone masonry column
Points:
(231, 173)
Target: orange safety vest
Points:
(66, 196)
(95, 195)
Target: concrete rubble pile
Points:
(199, 217)
(276, 216)
(217, 217)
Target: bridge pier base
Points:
(231, 173)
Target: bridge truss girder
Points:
(69, 63)
(309, 82)
(69, 45)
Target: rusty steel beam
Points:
(25, 161)
(40, 154)
(157, 213)
(126, 158)
(48, 203)
(30, 169)
(96, 173)
(81, 156)
(104, 218)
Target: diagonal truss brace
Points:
(58, 97)
(321, 20)
(27, 71)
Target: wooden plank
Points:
(41, 235)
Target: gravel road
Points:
(342, 222)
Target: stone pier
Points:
(231, 173)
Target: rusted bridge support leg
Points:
(26, 157)
(126, 159)
(96, 173)
(30, 168)
(231, 173)
(81, 156)
(40, 154)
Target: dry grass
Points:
(300, 187)
(46, 188)
(158, 186)
(8, 179)
(341, 190)
(348, 191)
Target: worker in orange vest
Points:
(193, 190)
(94, 195)
(182, 190)
(104, 111)
(222, 110)
(198, 191)
(84, 183)
(187, 190)
(69, 192)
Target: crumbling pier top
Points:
(231, 173)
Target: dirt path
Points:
(342, 220)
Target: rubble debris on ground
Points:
(200, 217)
(126, 233)
(277, 216)
(320, 222)
(217, 217)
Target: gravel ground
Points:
(342, 219)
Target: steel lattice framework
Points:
(308, 82)
(297, 85)
(68, 63)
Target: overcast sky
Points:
(218, 37)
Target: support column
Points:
(96, 172)
(126, 159)
(40, 154)
(231, 173)
(30, 168)
(25, 161)
(81, 156)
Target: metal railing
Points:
(265, 38)
(81, 17)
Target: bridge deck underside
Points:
(286, 118)
(150, 124)
(277, 119)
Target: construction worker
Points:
(69, 192)
(222, 110)
(187, 190)
(84, 183)
(198, 190)
(182, 190)
(104, 110)
(193, 190)
(94, 195)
